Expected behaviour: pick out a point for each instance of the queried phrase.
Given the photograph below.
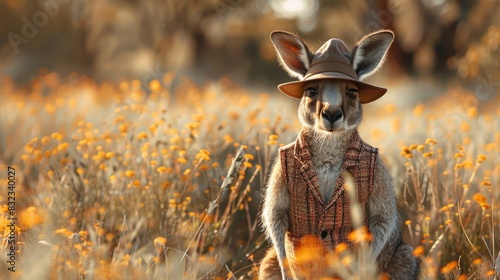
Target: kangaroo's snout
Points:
(332, 115)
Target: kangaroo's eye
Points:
(352, 92)
(310, 92)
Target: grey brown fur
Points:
(330, 112)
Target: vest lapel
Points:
(339, 188)
(351, 159)
(303, 157)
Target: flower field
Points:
(123, 181)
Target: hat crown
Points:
(332, 56)
(332, 49)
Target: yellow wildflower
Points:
(418, 110)
(481, 158)
(341, 248)
(203, 154)
(477, 261)
(359, 235)
(249, 156)
(160, 241)
(430, 141)
(450, 267)
(63, 146)
(418, 251)
(155, 85)
(427, 154)
(142, 135)
(130, 173)
(459, 155)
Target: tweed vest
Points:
(309, 215)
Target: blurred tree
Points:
(112, 39)
(431, 32)
(39, 34)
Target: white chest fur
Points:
(327, 178)
(327, 157)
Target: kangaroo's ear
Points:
(293, 54)
(369, 53)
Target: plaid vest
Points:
(309, 215)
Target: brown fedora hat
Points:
(330, 62)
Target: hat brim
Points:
(367, 92)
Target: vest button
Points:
(324, 234)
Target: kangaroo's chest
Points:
(328, 173)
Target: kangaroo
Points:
(305, 194)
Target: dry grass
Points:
(114, 181)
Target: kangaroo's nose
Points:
(332, 115)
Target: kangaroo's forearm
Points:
(381, 228)
(275, 209)
(277, 232)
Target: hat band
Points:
(331, 66)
